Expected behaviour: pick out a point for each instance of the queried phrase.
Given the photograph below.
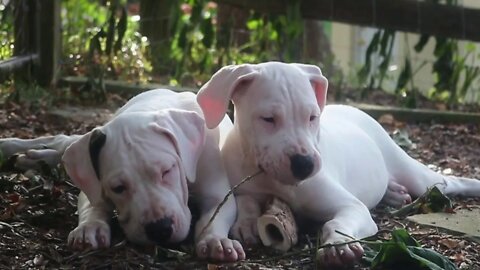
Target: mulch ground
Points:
(38, 210)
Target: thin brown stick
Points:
(230, 192)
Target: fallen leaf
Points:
(457, 257)
(449, 243)
(386, 119)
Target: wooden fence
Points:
(415, 16)
(38, 39)
(37, 42)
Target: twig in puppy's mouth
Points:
(230, 192)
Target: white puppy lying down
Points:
(144, 163)
(330, 163)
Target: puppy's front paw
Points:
(245, 230)
(90, 235)
(396, 195)
(30, 159)
(340, 256)
(219, 248)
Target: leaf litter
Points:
(38, 210)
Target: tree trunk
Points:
(155, 25)
(316, 46)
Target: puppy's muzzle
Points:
(159, 231)
(301, 166)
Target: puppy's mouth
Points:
(275, 175)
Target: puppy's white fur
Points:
(157, 152)
(329, 163)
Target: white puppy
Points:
(330, 163)
(145, 162)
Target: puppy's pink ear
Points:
(214, 96)
(318, 81)
(186, 129)
(82, 164)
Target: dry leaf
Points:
(386, 119)
(449, 243)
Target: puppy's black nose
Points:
(301, 166)
(160, 230)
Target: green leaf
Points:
(182, 37)
(384, 41)
(121, 29)
(431, 258)
(372, 47)
(404, 77)
(95, 44)
(421, 43)
(253, 24)
(208, 32)
(111, 30)
(431, 201)
(402, 236)
(404, 252)
(437, 201)
(197, 7)
(364, 72)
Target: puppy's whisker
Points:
(225, 199)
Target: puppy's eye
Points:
(270, 120)
(164, 173)
(313, 117)
(119, 189)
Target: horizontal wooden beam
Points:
(414, 16)
(119, 87)
(419, 115)
(16, 62)
(400, 114)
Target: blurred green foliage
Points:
(454, 68)
(198, 49)
(6, 30)
(194, 51)
(104, 40)
(101, 40)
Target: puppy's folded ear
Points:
(186, 129)
(215, 95)
(318, 81)
(81, 161)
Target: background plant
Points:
(6, 30)
(454, 68)
(114, 48)
(200, 46)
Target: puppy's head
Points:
(141, 162)
(277, 112)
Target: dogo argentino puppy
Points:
(144, 163)
(330, 163)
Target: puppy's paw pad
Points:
(90, 235)
(396, 195)
(219, 248)
(340, 256)
(246, 231)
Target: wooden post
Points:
(48, 40)
(24, 33)
(155, 24)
